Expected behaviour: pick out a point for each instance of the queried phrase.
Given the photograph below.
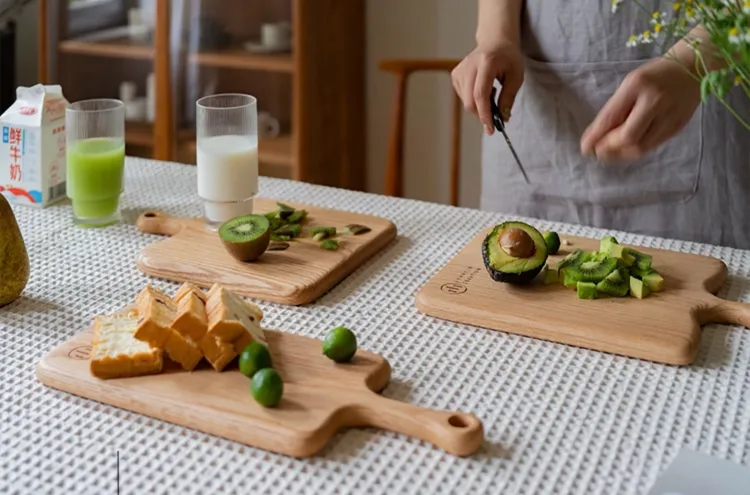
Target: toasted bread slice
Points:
(230, 317)
(217, 352)
(190, 319)
(189, 288)
(157, 311)
(183, 350)
(116, 353)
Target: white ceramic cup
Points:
(275, 35)
(268, 125)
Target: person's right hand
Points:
(473, 78)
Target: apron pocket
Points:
(556, 104)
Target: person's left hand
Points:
(652, 104)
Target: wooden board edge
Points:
(682, 355)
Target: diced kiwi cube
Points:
(586, 290)
(653, 281)
(638, 288)
(607, 243)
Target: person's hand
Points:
(653, 103)
(473, 77)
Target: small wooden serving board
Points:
(320, 397)
(298, 275)
(663, 327)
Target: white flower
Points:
(735, 36)
(615, 5)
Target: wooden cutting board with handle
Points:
(320, 398)
(663, 327)
(298, 275)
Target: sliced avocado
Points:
(514, 252)
(638, 288)
(653, 281)
(550, 276)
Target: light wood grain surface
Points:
(320, 398)
(664, 327)
(296, 276)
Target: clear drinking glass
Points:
(95, 144)
(227, 155)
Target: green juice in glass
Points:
(95, 169)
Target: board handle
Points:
(731, 312)
(455, 432)
(159, 223)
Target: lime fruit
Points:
(255, 356)
(553, 242)
(340, 344)
(267, 387)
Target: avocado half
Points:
(514, 252)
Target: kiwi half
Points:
(246, 237)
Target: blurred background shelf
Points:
(239, 58)
(314, 91)
(122, 48)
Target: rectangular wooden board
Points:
(664, 327)
(320, 397)
(299, 275)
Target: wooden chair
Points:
(402, 69)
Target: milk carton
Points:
(32, 147)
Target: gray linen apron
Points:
(695, 187)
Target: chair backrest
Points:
(394, 172)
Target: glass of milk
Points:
(227, 155)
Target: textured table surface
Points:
(558, 419)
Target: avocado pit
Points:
(517, 243)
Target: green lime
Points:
(267, 387)
(255, 356)
(340, 344)
(553, 242)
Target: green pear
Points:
(14, 260)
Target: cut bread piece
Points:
(156, 311)
(190, 319)
(183, 350)
(217, 352)
(116, 353)
(230, 317)
(189, 288)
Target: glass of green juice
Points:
(95, 147)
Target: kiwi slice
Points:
(642, 260)
(575, 258)
(586, 290)
(638, 273)
(285, 211)
(616, 283)
(292, 230)
(594, 270)
(246, 237)
(297, 217)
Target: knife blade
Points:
(500, 126)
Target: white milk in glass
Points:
(227, 176)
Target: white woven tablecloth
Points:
(558, 419)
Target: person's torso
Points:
(576, 57)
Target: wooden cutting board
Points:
(320, 398)
(296, 276)
(664, 327)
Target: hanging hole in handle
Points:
(149, 214)
(458, 421)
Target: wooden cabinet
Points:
(313, 89)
